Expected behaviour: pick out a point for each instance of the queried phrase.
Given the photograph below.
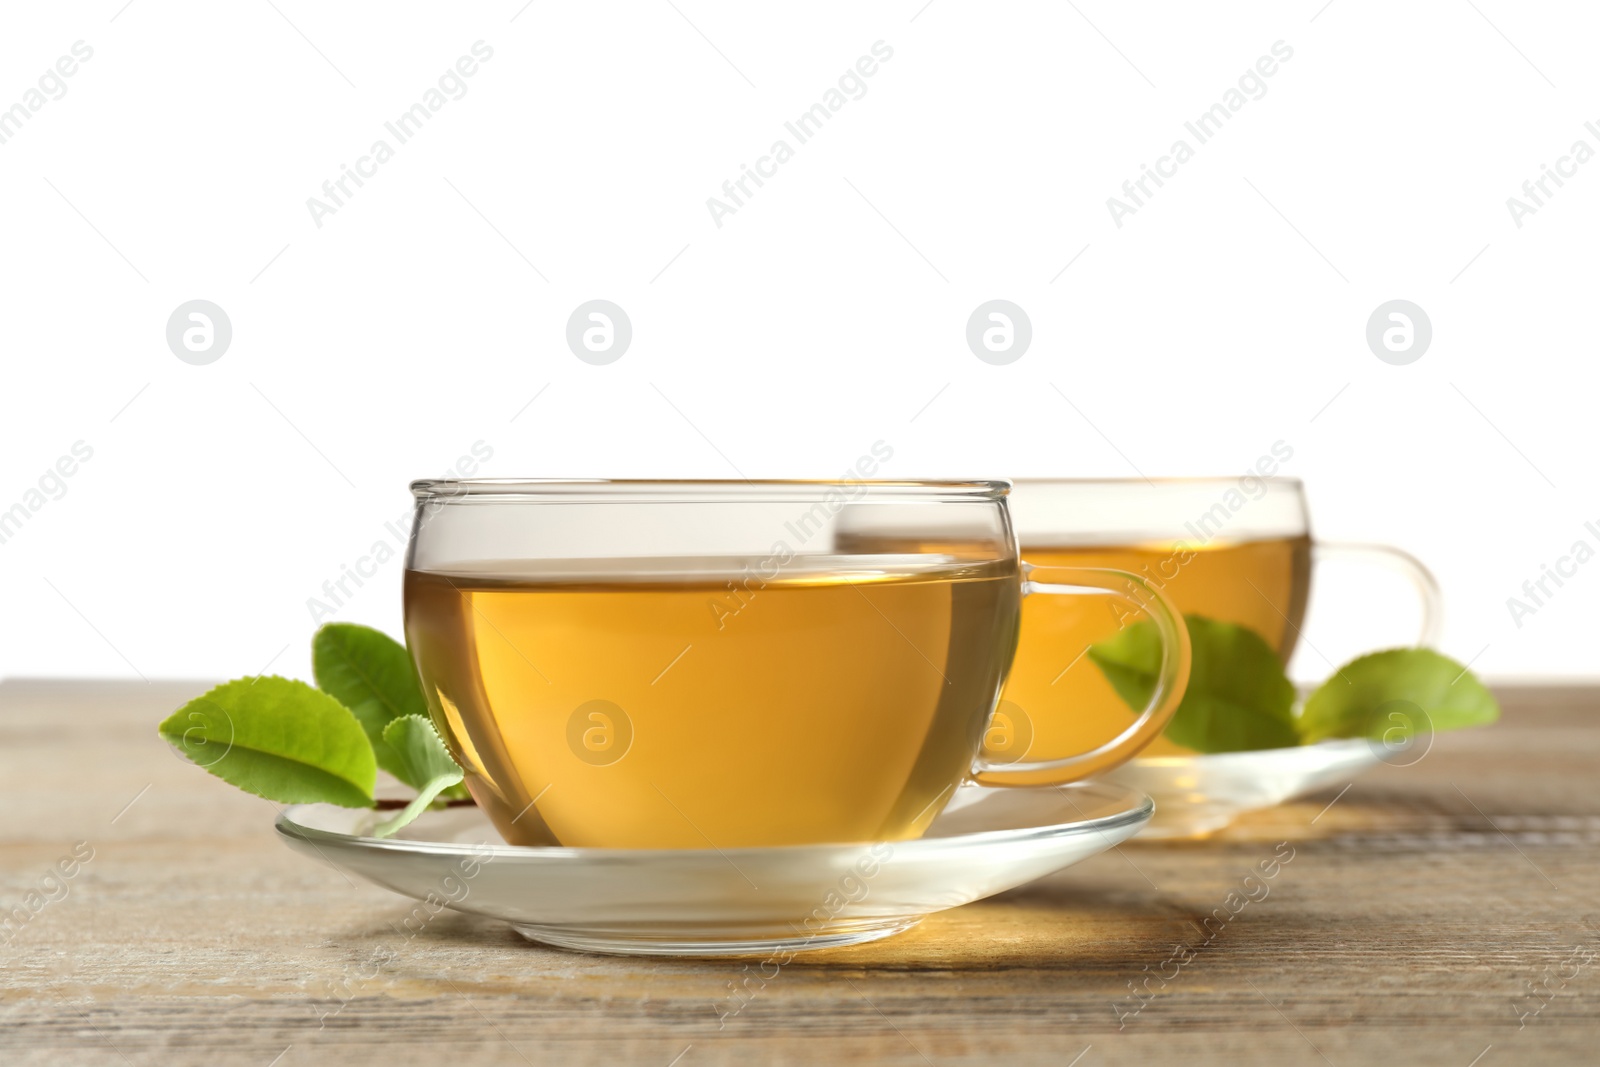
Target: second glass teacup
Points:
(1234, 550)
(732, 664)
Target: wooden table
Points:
(1419, 909)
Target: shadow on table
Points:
(1113, 914)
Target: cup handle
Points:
(1171, 677)
(1393, 558)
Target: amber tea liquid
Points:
(698, 704)
(1261, 584)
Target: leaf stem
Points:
(395, 804)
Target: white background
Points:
(827, 314)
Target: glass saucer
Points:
(1199, 795)
(737, 901)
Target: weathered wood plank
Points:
(1416, 910)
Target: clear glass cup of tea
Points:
(654, 664)
(1236, 550)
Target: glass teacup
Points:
(730, 664)
(1235, 550)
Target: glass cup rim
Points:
(697, 490)
(1183, 481)
(1104, 511)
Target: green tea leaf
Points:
(1361, 699)
(427, 761)
(1238, 696)
(416, 742)
(372, 674)
(279, 739)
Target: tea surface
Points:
(691, 704)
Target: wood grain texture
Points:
(1406, 929)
